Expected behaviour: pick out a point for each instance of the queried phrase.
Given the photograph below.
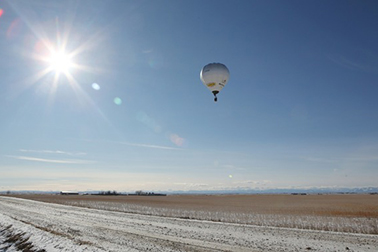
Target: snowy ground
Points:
(51, 227)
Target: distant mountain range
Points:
(312, 190)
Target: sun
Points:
(60, 62)
(61, 56)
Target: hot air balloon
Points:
(215, 76)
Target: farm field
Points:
(341, 213)
(342, 205)
(192, 222)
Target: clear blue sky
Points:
(130, 113)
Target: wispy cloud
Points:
(57, 161)
(257, 182)
(364, 158)
(149, 146)
(354, 64)
(320, 159)
(350, 158)
(162, 147)
(190, 184)
(55, 152)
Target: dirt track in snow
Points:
(66, 228)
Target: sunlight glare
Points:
(60, 62)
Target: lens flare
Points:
(95, 86)
(148, 121)
(118, 101)
(60, 55)
(14, 29)
(1, 12)
(176, 139)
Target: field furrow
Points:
(55, 227)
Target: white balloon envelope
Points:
(215, 76)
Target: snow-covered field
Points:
(51, 227)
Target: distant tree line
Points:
(107, 193)
(141, 193)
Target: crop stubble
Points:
(357, 213)
(356, 205)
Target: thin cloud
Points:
(191, 185)
(364, 158)
(151, 146)
(139, 145)
(56, 161)
(148, 146)
(55, 152)
(320, 160)
(352, 64)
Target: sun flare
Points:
(60, 62)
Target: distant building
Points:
(68, 193)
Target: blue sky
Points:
(130, 113)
